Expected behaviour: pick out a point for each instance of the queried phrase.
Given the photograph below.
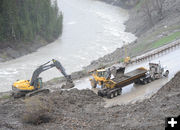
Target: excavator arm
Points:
(59, 66)
(46, 66)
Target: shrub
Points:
(37, 110)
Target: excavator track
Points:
(36, 92)
(18, 94)
(29, 94)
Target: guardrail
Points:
(156, 53)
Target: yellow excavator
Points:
(34, 86)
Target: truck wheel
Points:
(136, 82)
(119, 91)
(109, 95)
(116, 93)
(149, 80)
(145, 81)
(112, 95)
(166, 73)
(99, 94)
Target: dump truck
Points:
(112, 87)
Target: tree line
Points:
(26, 20)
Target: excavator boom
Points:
(47, 66)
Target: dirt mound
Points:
(83, 109)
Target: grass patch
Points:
(139, 4)
(166, 40)
(138, 48)
(5, 97)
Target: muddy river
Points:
(91, 29)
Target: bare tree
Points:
(159, 7)
(147, 8)
(153, 9)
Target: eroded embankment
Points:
(84, 109)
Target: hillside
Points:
(27, 25)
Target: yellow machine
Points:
(31, 87)
(127, 60)
(99, 76)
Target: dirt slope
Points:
(77, 109)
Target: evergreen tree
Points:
(25, 20)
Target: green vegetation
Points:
(27, 20)
(166, 39)
(139, 4)
(148, 43)
(5, 96)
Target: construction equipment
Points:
(157, 71)
(101, 75)
(113, 87)
(127, 60)
(29, 88)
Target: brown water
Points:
(91, 30)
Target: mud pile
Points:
(83, 109)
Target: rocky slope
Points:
(127, 4)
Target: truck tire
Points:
(100, 94)
(136, 82)
(149, 80)
(145, 81)
(116, 93)
(119, 91)
(166, 73)
(110, 95)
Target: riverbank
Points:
(14, 50)
(126, 4)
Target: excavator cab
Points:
(101, 73)
(39, 83)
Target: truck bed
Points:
(128, 77)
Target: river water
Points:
(91, 29)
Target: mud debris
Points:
(83, 109)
